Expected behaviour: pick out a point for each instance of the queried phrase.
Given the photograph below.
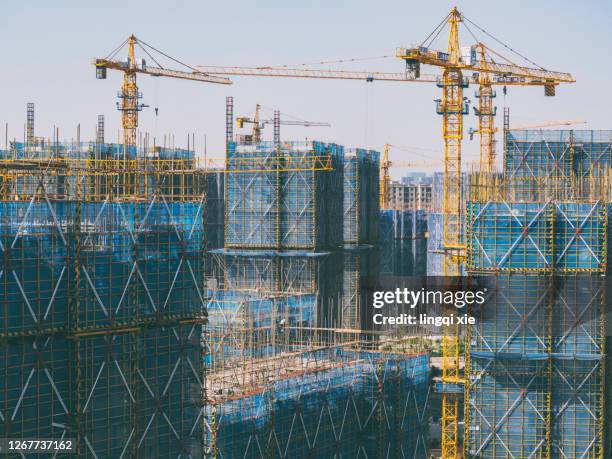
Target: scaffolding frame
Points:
(294, 272)
(101, 274)
(537, 368)
(339, 397)
(537, 235)
(361, 169)
(560, 237)
(283, 196)
(358, 263)
(556, 162)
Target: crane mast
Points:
(256, 131)
(384, 178)
(486, 117)
(452, 111)
(129, 104)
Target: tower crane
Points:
(258, 124)
(384, 178)
(486, 114)
(544, 124)
(129, 97)
(481, 65)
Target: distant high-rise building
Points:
(410, 196)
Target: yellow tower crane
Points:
(542, 125)
(384, 178)
(129, 104)
(486, 115)
(258, 125)
(453, 63)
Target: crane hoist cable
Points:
(501, 42)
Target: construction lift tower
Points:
(458, 70)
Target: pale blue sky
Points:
(47, 47)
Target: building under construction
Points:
(103, 307)
(155, 308)
(301, 217)
(536, 360)
(289, 372)
(277, 386)
(140, 323)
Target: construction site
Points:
(158, 302)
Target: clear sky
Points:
(47, 48)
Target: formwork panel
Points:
(580, 237)
(538, 153)
(578, 414)
(504, 237)
(107, 421)
(36, 379)
(34, 274)
(508, 409)
(311, 207)
(501, 327)
(169, 383)
(556, 152)
(146, 261)
(253, 204)
(553, 163)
